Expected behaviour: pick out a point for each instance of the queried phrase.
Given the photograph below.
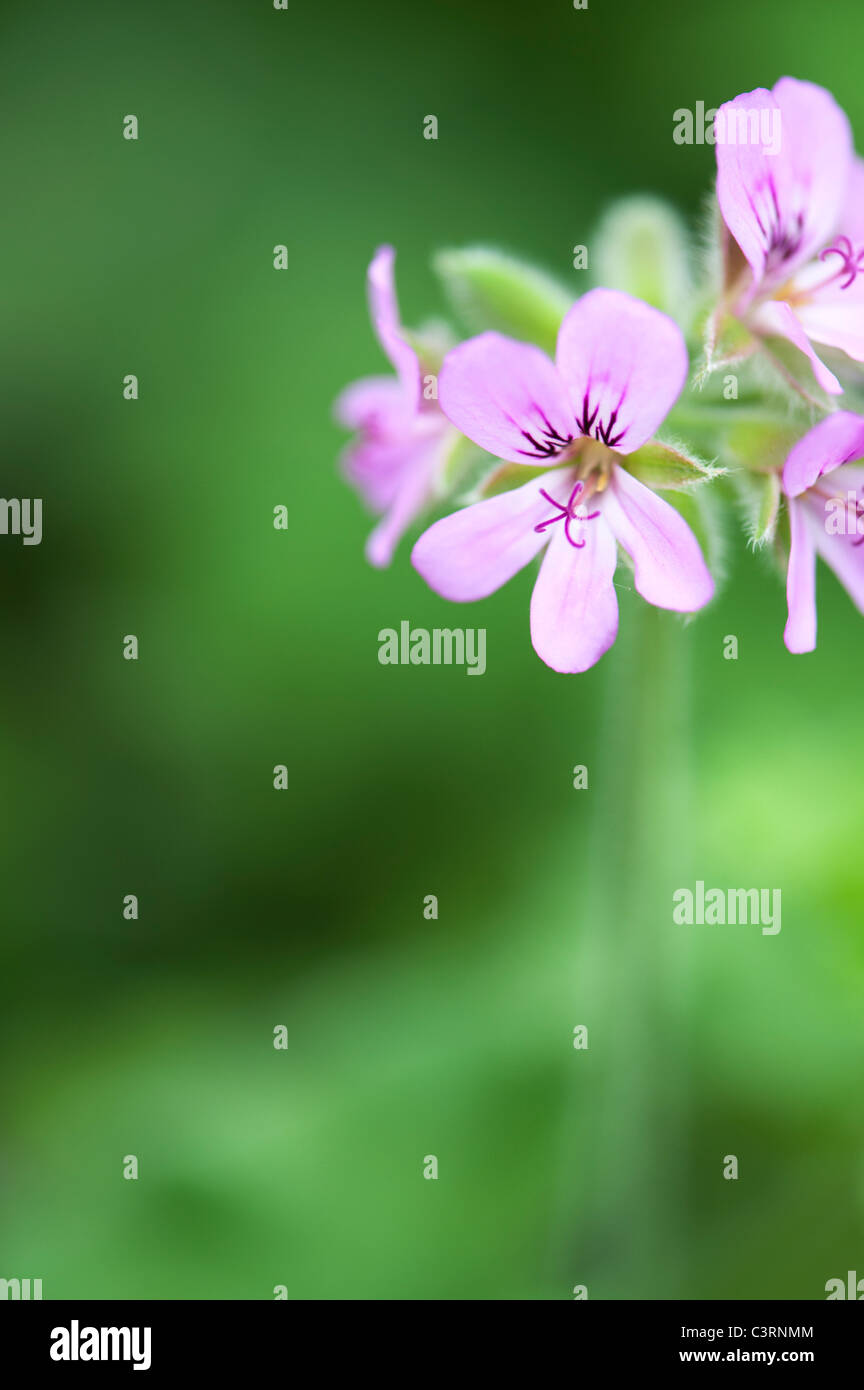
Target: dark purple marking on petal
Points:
(549, 445)
(601, 430)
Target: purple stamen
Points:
(568, 514)
(853, 261)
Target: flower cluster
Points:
(561, 437)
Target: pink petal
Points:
(776, 316)
(375, 404)
(624, 360)
(747, 179)
(470, 554)
(851, 221)
(800, 631)
(384, 309)
(378, 467)
(842, 555)
(836, 440)
(668, 567)
(782, 207)
(375, 468)
(847, 478)
(413, 493)
(574, 609)
(507, 397)
(819, 152)
(835, 316)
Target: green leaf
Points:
(489, 290)
(667, 466)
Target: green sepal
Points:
(669, 467)
(726, 343)
(431, 342)
(759, 496)
(463, 467)
(490, 290)
(509, 476)
(642, 248)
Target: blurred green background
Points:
(304, 908)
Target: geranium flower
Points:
(403, 438)
(620, 365)
(797, 215)
(825, 499)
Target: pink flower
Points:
(825, 504)
(797, 214)
(620, 366)
(403, 438)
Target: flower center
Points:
(568, 514)
(807, 283)
(547, 443)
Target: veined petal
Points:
(776, 316)
(752, 186)
(624, 365)
(384, 309)
(668, 567)
(836, 440)
(470, 554)
(783, 165)
(800, 631)
(818, 149)
(507, 397)
(574, 608)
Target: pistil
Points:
(567, 513)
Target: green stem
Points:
(622, 1188)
